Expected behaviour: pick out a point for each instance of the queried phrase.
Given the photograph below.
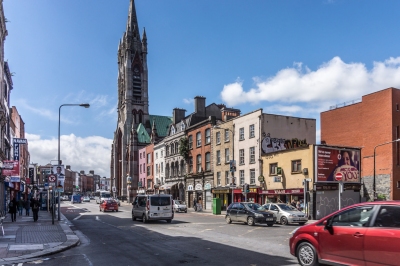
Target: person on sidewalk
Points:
(35, 209)
(195, 204)
(200, 205)
(12, 209)
(27, 207)
(20, 206)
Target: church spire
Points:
(132, 23)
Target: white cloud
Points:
(90, 153)
(188, 101)
(333, 82)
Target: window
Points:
(140, 167)
(190, 164)
(172, 148)
(156, 169)
(218, 157)
(208, 136)
(251, 133)
(218, 137)
(273, 169)
(358, 216)
(149, 184)
(162, 154)
(296, 166)
(226, 135)
(162, 167)
(208, 161)
(148, 170)
(241, 175)
(227, 177)
(182, 126)
(176, 148)
(149, 158)
(140, 155)
(156, 155)
(172, 172)
(218, 178)
(190, 141)
(172, 130)
(241, 156)
(167, 150)
(198, 139)
(198, 163)
(241, 133)
(252, 176)
(227, 155)
(388, 216)
(252, 154)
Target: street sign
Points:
(114, 189)
(52, 178)
(339, 176)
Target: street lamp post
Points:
(374, 182)
(86, 105)
(233, 157)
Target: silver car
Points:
(286, 214)
(179, 206)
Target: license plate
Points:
(111, 208)
(269, 219)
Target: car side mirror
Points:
(327, 224)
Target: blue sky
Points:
(288, 57)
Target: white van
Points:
(153, 207)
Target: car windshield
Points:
(285, 207)
(254, 206)
(179, 202)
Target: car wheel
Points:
(133, 217)
(250, 221)
(284, 220)
(228, 219)
(302, 223)
(306, 254)
(169, 221)
(270, 225)
(186, 211)
(144, 219)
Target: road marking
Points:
(97, 218)
(76, 218)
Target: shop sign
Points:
(261, 178)
(190, 188)
(198, 187)
(253, 190)
(11, 168)
(284, 191)
(207, 186)
(15, 179)
(220, 191)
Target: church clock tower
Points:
(133, 106)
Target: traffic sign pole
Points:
(339, 178)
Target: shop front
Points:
(282, 195)
(224, 193)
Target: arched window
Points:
(172, 148)
(177, 169)
(183, 168)
(176, 148)
(167, 170)
(167, 150)
(172, 170)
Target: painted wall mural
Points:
(270, 144)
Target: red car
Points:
(109, 205)
(362, 234)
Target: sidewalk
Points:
(25, 239)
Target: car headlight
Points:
(292, 215)
(259, 215)
(294, 231)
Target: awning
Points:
(168, 186)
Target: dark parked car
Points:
(362, 234)
(250, 213)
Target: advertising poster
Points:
(58, 171)
(331, 161)
(11, 168)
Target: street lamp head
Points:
(86, 105)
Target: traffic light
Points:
(246, 188)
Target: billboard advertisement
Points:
(337, 163)
(11, 168)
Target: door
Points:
(273, 208)
(233, 211)
(344, 241)
(190, 203)
(382, 240)
(241, 213)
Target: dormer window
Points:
(172, 130)
(182, 126)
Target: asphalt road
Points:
(112, 238)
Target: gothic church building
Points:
(135, 126)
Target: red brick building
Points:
(370, 124)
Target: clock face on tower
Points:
(136, 69)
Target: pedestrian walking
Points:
(35, 209)
(12, 209)
(195, 204)
(27, 207)
(20, 206)
(200, 204)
